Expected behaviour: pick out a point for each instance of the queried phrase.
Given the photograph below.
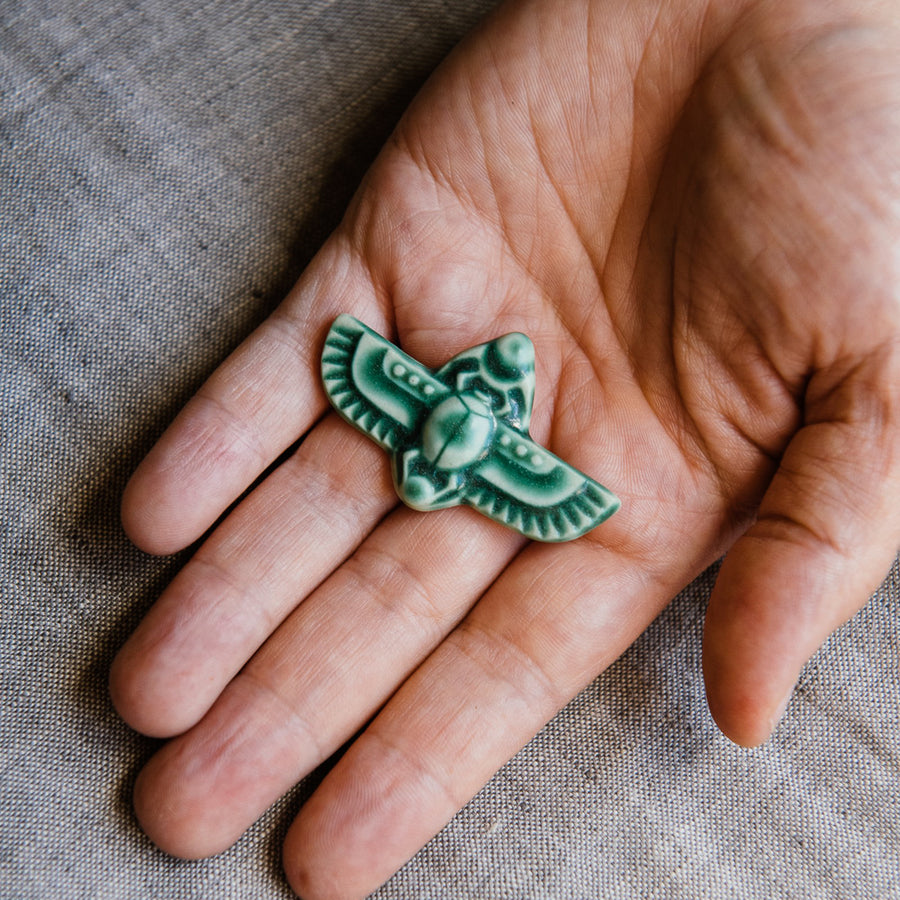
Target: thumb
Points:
(826, 534)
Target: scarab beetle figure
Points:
(459, 435)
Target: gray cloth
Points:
(166, 169)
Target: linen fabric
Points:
(166, 170)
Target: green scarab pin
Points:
(459, 435)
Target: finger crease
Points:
(502, 659)
(294, 720)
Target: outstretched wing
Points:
(375, 386)
(524, 486)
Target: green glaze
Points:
(459, 434)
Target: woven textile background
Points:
(166, 169)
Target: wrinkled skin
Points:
(693, 209)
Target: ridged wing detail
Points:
(374, 385)
(524, 486)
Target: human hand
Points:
(692, 209)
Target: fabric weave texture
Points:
(166, 170)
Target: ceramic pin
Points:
(459, 434)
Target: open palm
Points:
(693, 210)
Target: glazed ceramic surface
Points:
(459, 434)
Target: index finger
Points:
(252, 408)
